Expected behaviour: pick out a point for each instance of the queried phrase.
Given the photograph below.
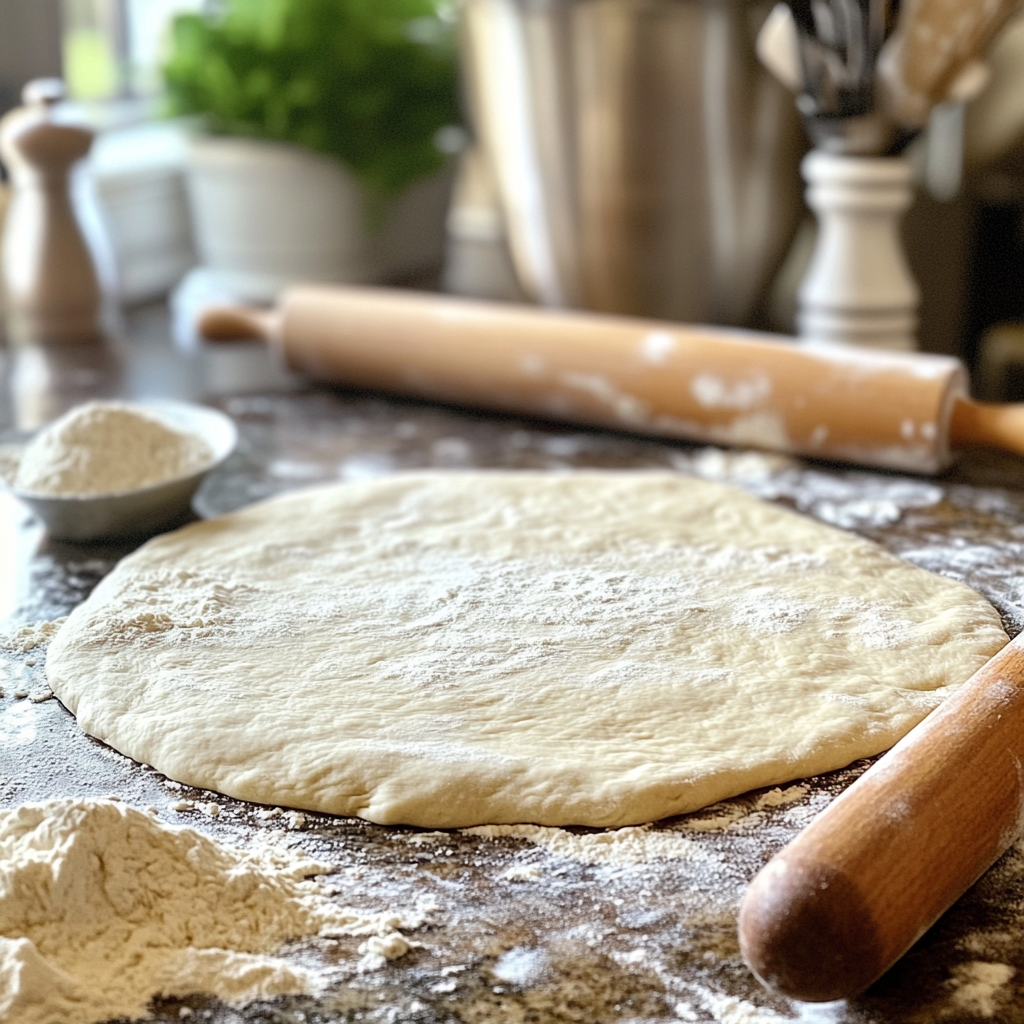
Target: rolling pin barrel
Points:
(839, 905)
(709, 384)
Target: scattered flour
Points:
(635, 844)
(726, 1010)
(423, 838)
(105, 448)
(378, 949)
(851, 500)
(523, 873)
(976, 986)
(729, 1009)
(735, 466)
(31, 636)
(523, 966)
(103, 908)
(720, 817)
(857, 500)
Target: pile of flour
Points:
(103, 908)
(105, 448)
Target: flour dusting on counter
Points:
(103, 908)
(29, 637)
(637, 844)
(850, 500)
(720, 817)
(976, 986)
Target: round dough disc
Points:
(459, 649)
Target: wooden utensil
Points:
(778, 47)
(838, 906)
(934, 41)
(725, 386)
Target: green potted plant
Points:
(326, 131)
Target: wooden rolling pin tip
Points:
(806, 932)
(238, 323)
(987, 426)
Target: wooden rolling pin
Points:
(839, 905)
(894, 410)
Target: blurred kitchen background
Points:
(623, 155)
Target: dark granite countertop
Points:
(557, 938)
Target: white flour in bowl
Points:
(106, 448)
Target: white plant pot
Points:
(272, 214)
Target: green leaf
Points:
(367, 81)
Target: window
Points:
(114, 48)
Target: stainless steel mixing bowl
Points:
(646, 163)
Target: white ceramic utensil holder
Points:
(858, 287)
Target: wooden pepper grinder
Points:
(51, 286)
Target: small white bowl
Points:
(144, 510)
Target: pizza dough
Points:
(447, 650)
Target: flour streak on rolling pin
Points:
(894, 410)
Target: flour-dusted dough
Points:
(458, 649)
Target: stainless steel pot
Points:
(646, 163)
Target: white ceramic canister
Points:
(858, 288)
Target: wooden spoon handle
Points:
(933, 42)
(838, 906)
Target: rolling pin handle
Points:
(239, 323)
(987, 426)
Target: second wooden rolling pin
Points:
(905, 411)
(839, 905)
